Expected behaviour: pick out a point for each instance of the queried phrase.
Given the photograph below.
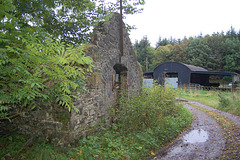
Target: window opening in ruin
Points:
(120, 85)
(117, 78)
(120, 77)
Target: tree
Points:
(161, 42)
(199, 53)
(162, 54)
(143, 51)
(231, 33)
(64, 20)
(215, 42)
(165, 41)
(232, 56)
(231, 50)
(218, 51)
(177, 53)
(150, 55)
(45, 67)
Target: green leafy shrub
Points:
(144, 123)
(145, 110)
(224, 101)
(41, 72)
(12, 145)
(229, 102)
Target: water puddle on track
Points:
(196, 136)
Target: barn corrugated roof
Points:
(194, 68)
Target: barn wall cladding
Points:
(180, 70)
(111, 72)
(177, 74)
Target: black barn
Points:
(184, 74)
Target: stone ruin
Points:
(111, 72)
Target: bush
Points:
(145, 110)
(40, 72)
(224, 101)
(143, 124)
(229, 102)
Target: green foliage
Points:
(41, 72)
(70, 21)
(168, 53)
(225, 101)
(215, 43)
(198, 53)
(144, 52)
(162, 54)
(143, 123)
(229, 102)
(12, 145)
(165, 41)
(42, 68)
(218, 51)
(44, 151)
(117, 144)
(145, 110)
(232, 58)
(125, 139)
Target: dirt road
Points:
(203, 140)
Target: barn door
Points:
(171, 82)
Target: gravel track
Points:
(234, 118)
(203, 140)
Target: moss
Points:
(63, 117)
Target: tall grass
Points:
(229, 102)
(225, 101)
(140, 125)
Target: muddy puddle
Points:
(196, 136)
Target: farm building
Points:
(176, 74)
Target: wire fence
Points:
(193, 86)
(236, 88)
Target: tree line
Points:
(219, 51)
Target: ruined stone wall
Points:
(55, 123)
(50, 122)
(105, 52)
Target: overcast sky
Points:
(179, 18)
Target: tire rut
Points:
(209, 145)
(234, 118)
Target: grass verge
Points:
(224, 101)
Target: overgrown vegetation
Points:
(141, 125)
(225, 101)
(41, 71)
(38, 61)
